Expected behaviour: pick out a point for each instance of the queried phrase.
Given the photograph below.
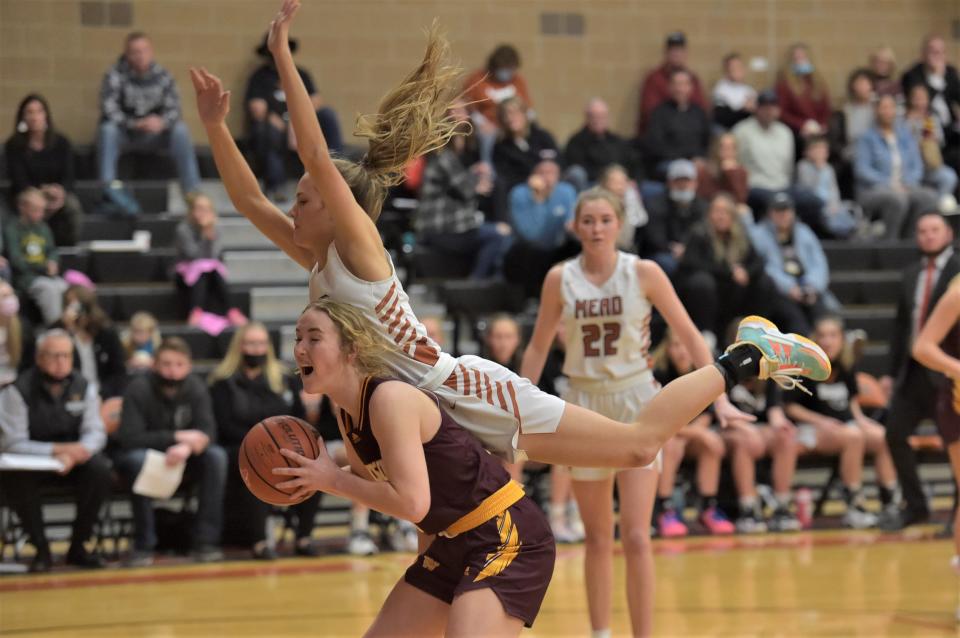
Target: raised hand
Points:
(213, 103)
(278, 36)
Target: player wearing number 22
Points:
(605, 299)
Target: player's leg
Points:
(638, 488)
(595, 499)
(408, 611)
(584, 438)
(953, 451)
(478, 613)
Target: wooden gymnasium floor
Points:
(813, 583)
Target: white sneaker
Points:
(403, 537)
(575, 525)
(750, 524)
(561, 532)
(858, 518)
(360, 544)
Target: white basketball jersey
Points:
(607, 326)
(385, 304)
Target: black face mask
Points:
(50, 379)
(169, 384)
(254, 360)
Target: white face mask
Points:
(503, 75)
(682, 196)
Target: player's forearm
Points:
(238, 179)
(381, 496)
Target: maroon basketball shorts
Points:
(512, 554)
(948, 413)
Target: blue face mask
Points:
(682, 196)
(503, 75)
(803, 68)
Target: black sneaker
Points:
(896, 520)
(41, 564)
(140, 558)
(85, 560)
(783, 520)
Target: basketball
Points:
(260, 453)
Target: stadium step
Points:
(879, 255)
(237, 233)
(264, 266)
(866, 287)
(876, 321)
(161, 300)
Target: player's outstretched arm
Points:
(355, 233)
(213, 104)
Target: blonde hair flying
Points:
(412, 120)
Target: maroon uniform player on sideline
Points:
(488, 569)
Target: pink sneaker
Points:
(716, 521)
(670, 526)
(236, 317)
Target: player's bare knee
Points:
(636, 542)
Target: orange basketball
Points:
(260, 453)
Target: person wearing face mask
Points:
(16, 344)
(486, 88)
(672, 216)
(943, 85)
(51, 410)
(803, 94)
(248, 386)
(171, 411)
(39, 156)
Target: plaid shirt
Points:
(448, 198)
(126, 96)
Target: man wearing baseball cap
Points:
(656, 86)
(672, 216)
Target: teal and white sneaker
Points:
(785, 356)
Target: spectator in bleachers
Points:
(733, 99)
(678, 128)
(39, 156)
(140, 109)
(928, 132)
(502, 341)
(672, 216)
(200, 274)
(803, 94)
(34, 260)
(858, 111)
(943, 86)
(889, 169)
(171, 411)
(485, 89)
(765, 147)
(595, 147)
(697, 440)
(140, 341)
(772, 435)
(51, 411)
(912, 387)
(655, 89)
(616, 180)
(248, 386)
(270, 134)
(540, 214)
(723, 173)
(98, 352)
(831, 421)
(449, 216)
(815, 174)
(720, 275)
(795, 262)
(16, 344)
(883, 72)
(522, 145)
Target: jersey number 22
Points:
(592, 336)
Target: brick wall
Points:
(357, 49)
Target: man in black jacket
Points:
(913, 386)
(170, 411)
(595, 147)
(673, 216)
(678, 128)
(51, 411)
